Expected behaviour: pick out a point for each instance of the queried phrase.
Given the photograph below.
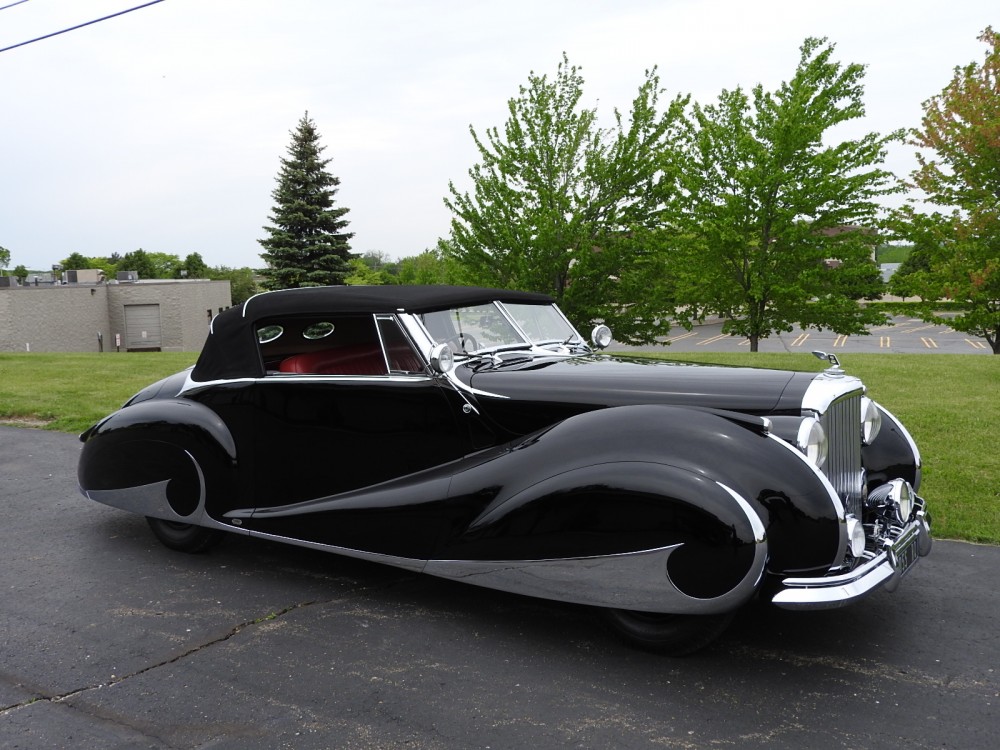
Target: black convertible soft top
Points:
(230, 350)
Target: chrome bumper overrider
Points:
(899, 552)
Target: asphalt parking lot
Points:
(109, 640)
(902, 335)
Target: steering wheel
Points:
(465, 342)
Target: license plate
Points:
(905, 554)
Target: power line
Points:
(79, 25)
(11, 5)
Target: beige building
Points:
(155, 315)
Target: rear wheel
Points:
(185, 537)
(672, 635)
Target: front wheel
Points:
(185, 537)
(672, 635)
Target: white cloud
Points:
(163, 128)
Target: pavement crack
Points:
(234, 631)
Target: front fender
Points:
(635, 477)
(892, 455)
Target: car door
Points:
(347, 404)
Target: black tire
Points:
(185, 537)
(671, 635)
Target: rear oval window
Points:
(318, 331)
(267, 334)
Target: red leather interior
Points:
(345, 360)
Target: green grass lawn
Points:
(949, 402)
(69, 392)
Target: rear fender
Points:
(168, 459)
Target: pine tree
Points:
(307, 244)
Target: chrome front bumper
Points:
(898, 555)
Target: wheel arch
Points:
(170, 459)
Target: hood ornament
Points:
(834, 370)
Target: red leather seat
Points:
(345, 360)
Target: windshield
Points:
(471, 329)
(486, 327)
(544, 324)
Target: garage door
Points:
(142, 327)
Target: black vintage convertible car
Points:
(473, 434)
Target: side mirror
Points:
(601, 336)
(442, 359)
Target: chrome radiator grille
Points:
(842, 422)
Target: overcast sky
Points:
(163, 128)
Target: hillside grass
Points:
(947, 401)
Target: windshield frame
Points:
(514, 337)
(572, 337)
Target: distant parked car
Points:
(473, 434)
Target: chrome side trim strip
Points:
(631, 580)
(151, 500)
(146, 500)
(415, 566)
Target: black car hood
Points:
(599, 381)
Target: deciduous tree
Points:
(776, 224)
(139, 261)
(242, 285)
(429, 267)
(76, 261)
(960, 170)
(194, 266)
(556, 199)
(307, 244)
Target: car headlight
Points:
(871, 420)
(811, 440)
(442, 358)
(601, 336)
(904, 499)
(897, 497)
(855, 537)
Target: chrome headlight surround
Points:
(871, 420)
(601, 336)
(897, 497)
(812, 441)
(856, 539)
(442, 359)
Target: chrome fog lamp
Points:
(601, 336)
(896, 496)
(811, 440)
(855, 537)
(442, 358)
(871, 420)
(903, 495)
